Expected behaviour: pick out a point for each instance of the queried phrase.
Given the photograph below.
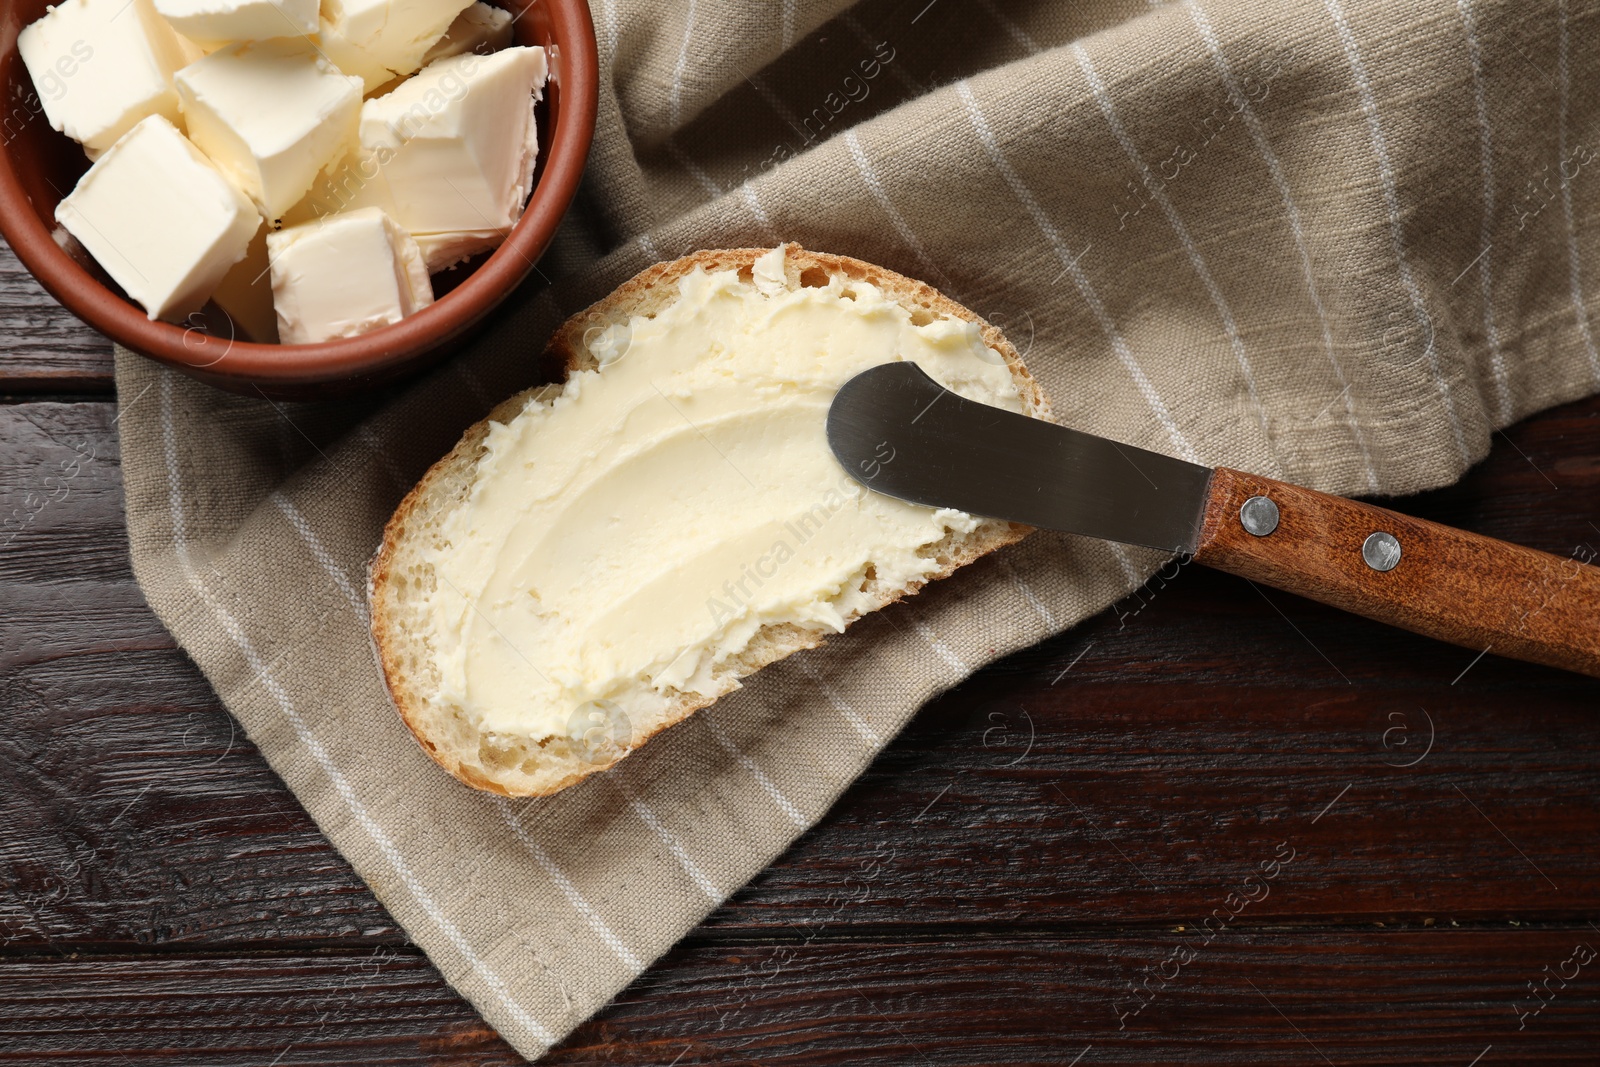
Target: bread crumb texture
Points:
(405, 582)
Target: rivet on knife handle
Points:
(1381, 550)
(1454, 586)
(1445, 583)
(1259, 515)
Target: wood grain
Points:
(1440, 996)
(379, 1006)
(1448, 584)
(1376, 997)
(1195, 729)
(993, 891)
(136, 813)
(46, 349)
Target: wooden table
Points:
(1209, 826)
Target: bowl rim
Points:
(574, 67)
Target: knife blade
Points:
(897, 431)
(998, 464)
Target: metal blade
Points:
(896, 430)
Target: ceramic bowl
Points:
(38, 166)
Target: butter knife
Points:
(897, 431)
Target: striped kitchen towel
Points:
(1337, 242)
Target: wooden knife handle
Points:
(1447, 584)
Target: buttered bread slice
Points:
(595, 561)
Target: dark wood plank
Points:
(134, 811)
(1378, 997)
(1198, 727)
(47, 349)
(1132, 811)
(1436, 996)
(378, 1006)
(1200, 718)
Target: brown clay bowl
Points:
(39, 166)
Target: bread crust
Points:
(443, 485)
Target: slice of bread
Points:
(402, 580)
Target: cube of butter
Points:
(481, 28)
(245, 294)
(192, 51)
(163, 222)
(212, 23)
(270, 114)
(99, 66)
(345, 275)
(359, 182)
(381, 40)
(455, 148)
(441, 251)
(355, 182)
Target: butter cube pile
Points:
(303, 165)
(316, 263)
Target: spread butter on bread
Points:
(596, 561)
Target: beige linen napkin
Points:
(1333, 241)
